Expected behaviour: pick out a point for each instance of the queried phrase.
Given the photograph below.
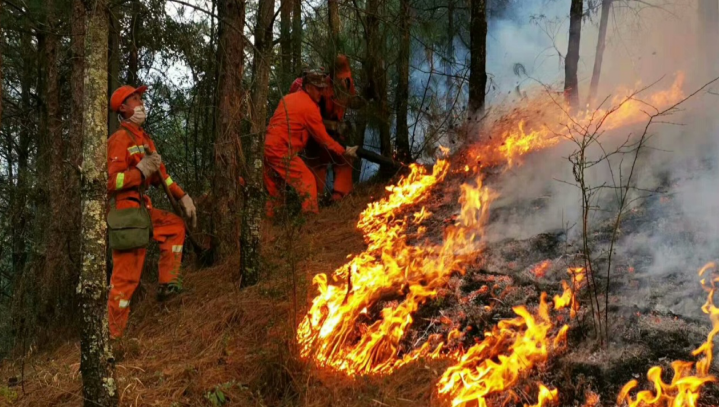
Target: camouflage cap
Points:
(315, 77)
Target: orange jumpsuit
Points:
(332, 107)
(123, 154)
(296, 120)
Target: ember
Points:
(541, 269)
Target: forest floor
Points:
(216, 345)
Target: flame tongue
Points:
(389, 265)
(689, 378)
(511, 350)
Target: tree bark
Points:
(361, 115)
(250, 245)
(1, 87)
(377, 80)
(286, 44)
(571, 82)
(601, 44)
(113, 56)
(99, 386)
(478, 61)
(402, 97)
(226, 214)
(297, 37)
(334, 24)
(56, 299)
(73, 148)
(449, 62)
(19, 211)
(134, 57)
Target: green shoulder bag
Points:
(129, 228)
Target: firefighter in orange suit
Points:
(132, 161)
(296, 120)
(337, 96)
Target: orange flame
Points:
(568, 297)
(484, 370)
(540, 270)
(546, 396)
(592, 399)
(333, 331)
(349, 329)
(689, 378)
(545, 122)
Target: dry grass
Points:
(216, 337)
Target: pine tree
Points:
(99, 386)
(250, 247)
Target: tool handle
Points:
(178, 211)
(377, 158)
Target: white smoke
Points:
(681, 230)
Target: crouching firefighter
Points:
(296, 120)
(339, 95)
(133, 165)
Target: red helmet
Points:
(122, 93)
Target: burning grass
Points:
(421, 312)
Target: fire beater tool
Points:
(201, 251)
(378, 158)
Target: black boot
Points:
(167, 291)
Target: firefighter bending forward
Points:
(296, 120)
(132, 162)
(336, 98)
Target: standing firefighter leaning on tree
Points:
(133, 165)
(338, 96)
(296, 120)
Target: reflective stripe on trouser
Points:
(169, 231)
(318, 159)
(293, 172)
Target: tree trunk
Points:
(601, 43)
(449, 63)
(478, 61)
(134, 58)
(402, 97)
(571, 82)
(708, 34)
(73, 148)
(286, 44)
(377, 80)
(1, 33)
(19, 211)
(99, 386)
(113, 56)
(225, 217)
(297, 37)
(361, 115)
(254, 190)
(59, 281)
(333, 9)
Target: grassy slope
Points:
(217, 337)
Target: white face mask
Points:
(139, 116)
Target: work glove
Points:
(150, 163)
(189, 207)
(351, 151)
